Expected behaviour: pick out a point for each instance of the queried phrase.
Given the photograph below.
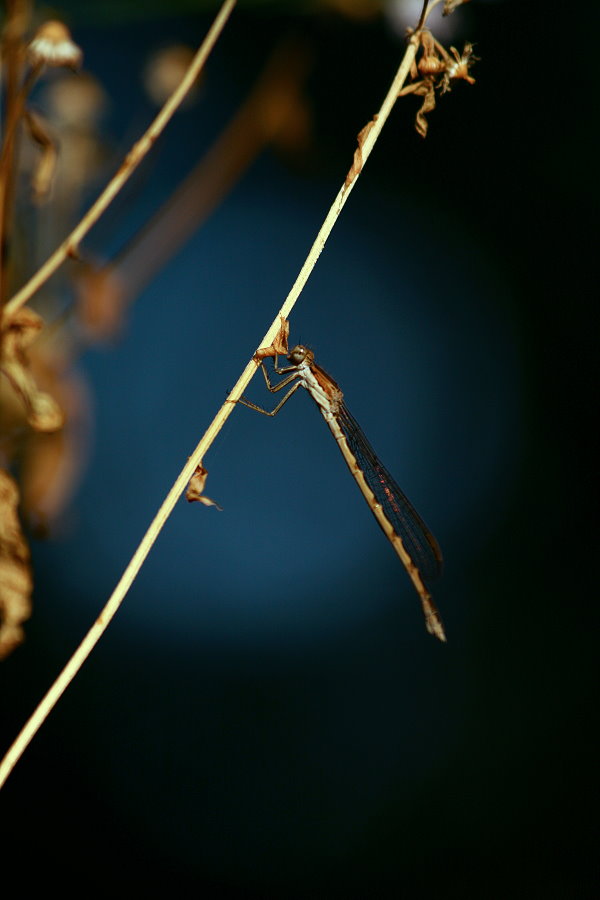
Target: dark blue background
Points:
(266, 715)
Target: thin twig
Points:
(423, 15)
(136, 562)
(428, 7)
(139, 150)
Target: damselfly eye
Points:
(298, 354)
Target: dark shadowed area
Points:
(266, 716)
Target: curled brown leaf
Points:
(195, 489)
(42, 412)
(357, 164)
(279, 347)
(425, 89)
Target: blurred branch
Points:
(268, 110)
(131, 162)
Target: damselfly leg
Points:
(275, 387)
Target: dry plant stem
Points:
(135, 564)
(423, 16)
(19, 104)
(428, 6)
(139, 150)
(10, 152)
(17, 15)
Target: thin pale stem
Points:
(137, 153)
(137, 560)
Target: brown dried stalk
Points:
(275, 337)
(17, 14)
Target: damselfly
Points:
(404, 528)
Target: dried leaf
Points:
(357, 164)
(280, 344)
(21, 330)
(425, 89)
(195, 489)
(427, 106)
(279, 347)
(15, 572)
(43, 412)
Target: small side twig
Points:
(137, 153)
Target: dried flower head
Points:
(458, 68)
(53, 45)
(438, 69)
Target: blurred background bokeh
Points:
(266, 716)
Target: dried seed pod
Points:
(431, 65)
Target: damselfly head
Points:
(300, 354)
